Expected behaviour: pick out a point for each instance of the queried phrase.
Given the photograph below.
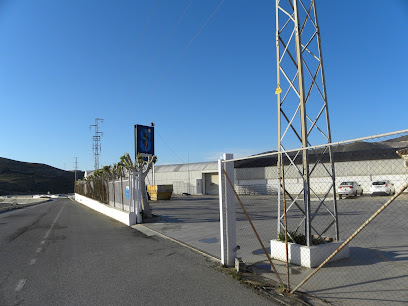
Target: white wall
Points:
(264, 180)
(183, 177)
(121, 216)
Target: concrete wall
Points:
(363, 172)
(121, 216)
(264, 180)
(183, 177)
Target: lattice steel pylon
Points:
(301, 83)
(96, 142)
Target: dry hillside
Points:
(31, 178)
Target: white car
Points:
(349, 189)
(382, 187)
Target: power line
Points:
(169, 147)
(134, 51)
(181, 53)
(144, 72)
(146, 25)
(165, 42)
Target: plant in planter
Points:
(299, 238)
(306, 256)
(293, 237)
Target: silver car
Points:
(350, 188)
(382, 187)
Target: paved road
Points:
(62, 253)
(376, 272)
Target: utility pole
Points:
(76, 167)
(301, 82)
(96, 141)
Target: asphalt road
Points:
(376, 272)
(62, 253)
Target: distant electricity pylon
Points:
(96, 141)
(301, 83)
(76, 167)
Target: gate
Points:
(367, 263)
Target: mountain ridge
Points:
(18, 177)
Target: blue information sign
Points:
(144, 140)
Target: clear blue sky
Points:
(65, 63)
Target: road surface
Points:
(62, 253)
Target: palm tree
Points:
(99, 186)
(106, 174)
(114, 175)
(139, 166)
(120, 172)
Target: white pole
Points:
(134, 187)
(230, 215)
(138, 207)
(154, 176)
(221, 186)
(130, 192)
(132, 216)
(188, 169)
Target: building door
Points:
(211, 183)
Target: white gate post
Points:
(132, 216)
(138, 202)
(221, 196)
(130, 191)
(227, 211)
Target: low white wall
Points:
(121, 216)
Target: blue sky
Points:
(65, 63)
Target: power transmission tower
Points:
(76, 167)
(96, 141)
(301, 83)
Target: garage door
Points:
(211, 183)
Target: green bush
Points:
(298, 238)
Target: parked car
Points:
(349, 189)
(382, 187)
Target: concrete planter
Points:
(309, 257)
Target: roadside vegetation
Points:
(96, 185)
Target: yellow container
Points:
(160, 192)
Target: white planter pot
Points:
(305, 256)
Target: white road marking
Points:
(20, 284)
(49, 231)
(32, 261)
(38, 250)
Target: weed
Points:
(235, 275)
(298, 238)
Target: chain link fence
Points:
(114, 193)
(348, 183)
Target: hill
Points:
(31, 178)
(355, 151)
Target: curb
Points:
(150, 232)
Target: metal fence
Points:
(114, 193)
(369, 182)
(96, 189)
(119, 194)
